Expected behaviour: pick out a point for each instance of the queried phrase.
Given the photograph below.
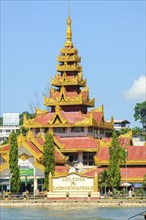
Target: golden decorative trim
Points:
(65, 80)
(66, 58)
(29, 123)
(29, 135)
(68, 50)
(67, 67)
(127, 135)
(58, 144)
(98, 109)
(39, 111)
(24, 156)
(20, 139)
(4, 166)
(57, 118)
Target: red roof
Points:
(133, 172)
(78, 143)
(33, 147)
(98, 116)
(103, 154)
(61, 169)
(43, 119)
(5, 148)
(135, 153)
(124, 141)
(40, 141)
(71, 117)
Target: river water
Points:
(31, 213)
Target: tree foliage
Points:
(144, 182)
(1, 121)
(140, 113)
(13, 163)
(103, 179)
(123, 131)
(28, 115)
(136, 131)
(117, 157)
(49, 158)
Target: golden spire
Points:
(68, 31)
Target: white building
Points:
(10, 123)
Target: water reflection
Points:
(70, 214)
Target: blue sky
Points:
(110, 38)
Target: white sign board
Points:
(73, 182)
(10, 119)
(24, 163)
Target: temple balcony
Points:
(71, 58)
(65, 68)
(68, 51)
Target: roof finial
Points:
(69, 10)
(68, 31)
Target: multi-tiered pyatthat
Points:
(69, 80)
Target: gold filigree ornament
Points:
(25, 156)
(20, 139)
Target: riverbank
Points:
(74, 203)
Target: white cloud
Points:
(138, 90)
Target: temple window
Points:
(40, 184)
(73, 158)
(46, 130)
(88, 158)
(90, 129)
(77, 129)
(59, 130)
(95, 130)
(37, 130)
(101, 131)
(1, 160)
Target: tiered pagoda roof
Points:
(69, 80)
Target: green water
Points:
(70, 214)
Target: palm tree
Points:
(104, 179)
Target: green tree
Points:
(123, 131)
(1, 121)
(49, 158)
(4, 142)
(144, 182)
(13, 163)
(117, 157)
(136, 131)
(103, 179)
(24, 130)
(140, 113)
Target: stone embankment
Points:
(74, 203)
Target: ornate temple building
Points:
(80, 135)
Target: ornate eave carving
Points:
(40, 111)
(67, 67)
(127, 135)
(29, 123)
(66, 81)
(63, 99)
(68, 50)
(68, 58)
(20, 139)
(25, 156)
(57, 118)
(86, 121)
